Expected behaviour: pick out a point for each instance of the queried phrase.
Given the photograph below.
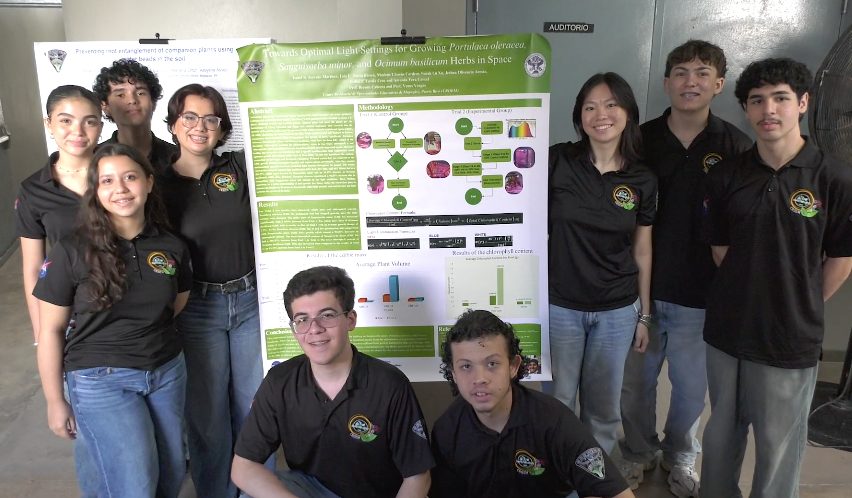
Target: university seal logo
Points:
(592, 462)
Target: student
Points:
(602, 205)
(680, 148)
(46, 208)
(128, 92)
(207, 197)
(121, 277)
(349, 424)
(780, 231)
(499, 439)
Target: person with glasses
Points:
(207, 198)
(349, 424)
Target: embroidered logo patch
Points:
(804, 203)
(160, 263)
(42, 272)
(624, 197)
(361, 428)
(527, 464)
(418, 429)
(225, 182)
(710, 160)
(592, 462)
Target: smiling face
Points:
(75, 124)
(692, 85)
(602, 118)
(123, 188)
(129, 104)
(483, 373)
(199, 140)
(329, 345)
(773, 112)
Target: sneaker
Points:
(683, 480)
(632, 473)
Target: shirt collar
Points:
(808, 156)
(47, 171)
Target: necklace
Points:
(69, 170)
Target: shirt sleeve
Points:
(715, 222)
(408, 436)
(184, 270)
(259, 437)
(648, 204)
(837, 240)
(56, 282)
(27, 221)
(580, 460)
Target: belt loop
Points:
(204, 289)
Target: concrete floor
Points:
(36, 464)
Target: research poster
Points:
(419, 168)
(176, 63)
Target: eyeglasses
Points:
(190, 119)
(327, 319)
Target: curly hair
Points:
(130, 71)
(704, 51)
(773, 72)
(320, 278)
(630, 142)
(472, 325)
(107, 275)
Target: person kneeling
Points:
(500, 439)
(349, 424)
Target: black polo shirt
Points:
(544, 451)
(683, 266)
(136, 332)
(213, 216)
(161, 154)
(362, 443)
(591, 225)
(44, 208)
(765, 304)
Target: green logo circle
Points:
(395, 125)
(464, 126)
(399, 202)
(473, 196)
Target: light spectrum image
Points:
(521, 128)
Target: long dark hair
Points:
(107, 275)
(175, 108)
(630, 143)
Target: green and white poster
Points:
(419, 168)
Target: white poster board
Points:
(176, 63)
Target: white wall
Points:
(282, 20)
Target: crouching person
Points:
(500, 439)
(349, 424)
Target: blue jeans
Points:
(221, 341)
(587, 351)
(775, 402)
(677, 336)
(132, 422)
